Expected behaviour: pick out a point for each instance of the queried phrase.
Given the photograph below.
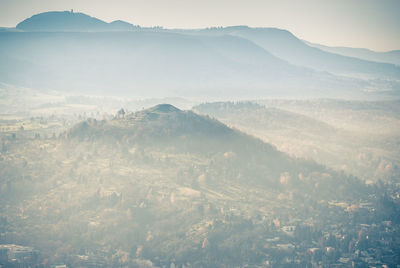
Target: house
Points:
(288, 229)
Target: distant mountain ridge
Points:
(69, 21)
(70, 51)
(283, 44)
(392, 56)
(155, 64)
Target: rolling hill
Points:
(164, 186)
(329, 131)
(166, 127)
(66, 21)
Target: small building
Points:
(289, 229)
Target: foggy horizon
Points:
(359, 24)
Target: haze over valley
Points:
(235, 146)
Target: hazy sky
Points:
(373, 24)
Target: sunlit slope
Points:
(167, 129)
(357, 137)
(155, 185)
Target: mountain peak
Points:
(159, 123)
(164, 108)
(69, 21)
